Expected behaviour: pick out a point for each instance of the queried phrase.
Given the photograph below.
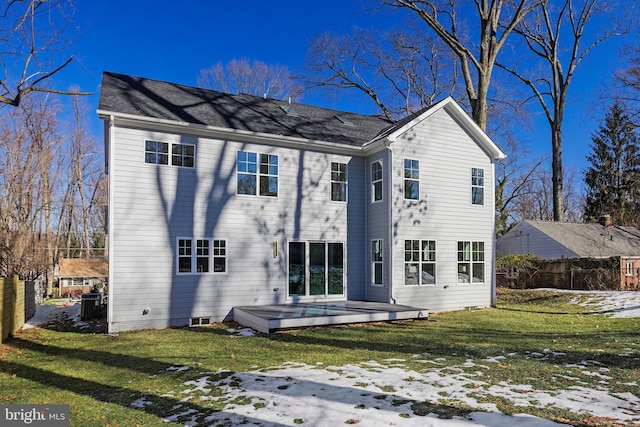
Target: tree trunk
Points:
(556, 167)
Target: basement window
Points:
(200, 321)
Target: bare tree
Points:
(400, 71)
(29, 148)
(496, 18)
(252, 78)
(31, 33)
(536, 198)
(556, 37)
(83, 174)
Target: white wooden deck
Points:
(268, 318)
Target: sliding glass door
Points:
(316, 269)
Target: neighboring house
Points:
(557, 240)
(221, 200)
(77, 276)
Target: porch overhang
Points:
(269, 318)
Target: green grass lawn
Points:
(100, 375)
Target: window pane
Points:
(336, 268)
(429, 250)
(428, 274)
(202, 256)
(184, 255)
(297, 272)
(338, 192)
(411, 274)
(464, 251)
(463, 273)
(478, 273)
(377, 191)
(411, 189)
(219, 256)
(156, 152)
(317, 272)
(246, 184)
(477, 196)
(376, 250)
(182, 155)
(219, 265)
(377, 273)
(268, 186)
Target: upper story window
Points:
(251, 179)
(477, 186)
(156, 152)
(338, 182)
(470, 262)
(411, 179)
(376, 181)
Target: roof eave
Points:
(216, 131)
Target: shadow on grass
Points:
(174, 409)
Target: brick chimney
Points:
(605, 220)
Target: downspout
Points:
(390, 224)
(494, 296)
(110, 175)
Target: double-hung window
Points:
(477, 186)
(338, 182)
(376, 262)
(376, 181)
(202, 256)
(629, 268)
(257, 174)
(411, 179)
(419, 262)
(470, 262)
(160, 153)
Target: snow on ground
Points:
(387, 393)
(56, 310)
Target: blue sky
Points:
(173, 41)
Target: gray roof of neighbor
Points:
(592, 240)
(163, 100)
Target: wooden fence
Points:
(17, 304)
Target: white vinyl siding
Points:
(152, 208)
(443, 212)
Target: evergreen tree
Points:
(613, 179)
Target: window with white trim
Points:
(411, 179)
(477, 186)
(629, 268)
(376, 181)
(156, 152)
(199, 256)
(471, 262)
(338, 182)
(376, 262)
(255, 178)
(419, 262)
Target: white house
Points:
(219, 200)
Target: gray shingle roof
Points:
(592, 240)
(162, 100)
